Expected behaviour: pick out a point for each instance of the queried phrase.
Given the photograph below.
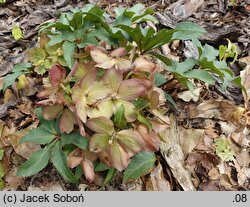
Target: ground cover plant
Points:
(102, 107)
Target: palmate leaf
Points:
(76, 139)
(49, 126)
(187, 30)
(140, 165)
(162, 37)
(39, 135)
(200, 75)
(36, 162)
(59, 160)
(63, 36)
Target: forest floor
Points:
(197, 122)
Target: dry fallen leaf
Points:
(173, 154)
(135, 185)
(11, 137)
(221, 110)
(53, 186)
(245, 77)
(187, 96)
(189, 138)
(13, 181)
(157, 181)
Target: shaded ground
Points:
(199, 122)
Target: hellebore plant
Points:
(102, 82)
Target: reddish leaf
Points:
(142, 64)
(123, 64)
(67, 121)
(88, 169)
(131, 89)
(119, 52)
(75, 158)
(120, 158)
(57, 73)
(103, 60)
(81, 108)
(150, 142)
(114, 79)
(101, 125)
(105, 158)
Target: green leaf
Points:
(16, 32)
(1, 171)
(159, 79)
(10, 79)
(209, 53)
(22, 67)
(39, 136)
(105, 36)
(76, 139)
(141, 103)
(140, 165)
(63, 36)
(77, 20)
(63, 19)
(135, 34)
(36, 162)
(68, 52)
(143, 120)
(222, 51)
(170, 99)
(162, 58)
(109, 176)
(183, 67)
(119, 119)
(100, 166)
(37, 56)
(59, 160)
(1, 153)
(88, 39)
(187, 30)
(78, 172)
(201, 75)
(95, 15)
(49, 126)
(162, 37)
(1, 166)
(136, 9)
(18, 70)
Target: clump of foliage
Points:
(102, 107)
